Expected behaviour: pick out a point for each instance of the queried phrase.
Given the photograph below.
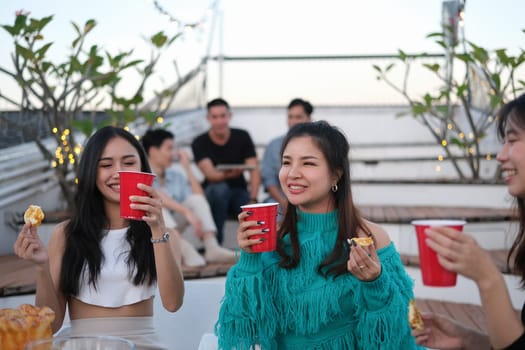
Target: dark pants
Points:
(225, 201)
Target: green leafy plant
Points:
(88, 77)
(475, 82)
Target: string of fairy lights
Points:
(468, 137)
(457, 20)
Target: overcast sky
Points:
(270, 27)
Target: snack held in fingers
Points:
(363, 241)
(414, 317)
(25, 324)
(34, 215)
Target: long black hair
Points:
(514, 113)
(335, 148)
(85, 230)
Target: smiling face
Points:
(512, 159)
(118, 155)
(219, 118)
(296, 115)
(305, 176)
(164, 155)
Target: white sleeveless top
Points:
(115, 287)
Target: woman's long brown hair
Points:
(335, 148)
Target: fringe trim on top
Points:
(247, 314)
(308, 304)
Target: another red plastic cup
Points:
(128, 187)
(266, 212)
(432, 272)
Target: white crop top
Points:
(115, 286)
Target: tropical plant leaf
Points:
(458, 142)
(159, 39)
(85, 126)
(24, 52)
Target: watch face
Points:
(166, 236)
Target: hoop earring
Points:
(334, 188)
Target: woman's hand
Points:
(29, 246)
(247, 229)
(151, 204)
(461, 253)
(363, 262)
(443, 333)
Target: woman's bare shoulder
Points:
(381, 238)
(58, 236)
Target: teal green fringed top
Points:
(298, 308)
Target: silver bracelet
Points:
(165, 237)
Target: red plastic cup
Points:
(128, 187)
(266, 212)
(432, 272)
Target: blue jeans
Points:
(224, 201)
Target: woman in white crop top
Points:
(104, 268)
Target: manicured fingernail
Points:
(265, 230)
(249, 212)
(349, 241)
(262, 239)
(261, 222)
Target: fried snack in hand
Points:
(363, 241)
(414, 317)
(27, 323)
(34, 215)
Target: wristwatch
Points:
(165, 237)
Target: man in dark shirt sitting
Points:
(223, 154)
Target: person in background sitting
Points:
(183, 195)
(461, 253)
(299, 111)
(103, 268)
(316, 291)
(226, 190)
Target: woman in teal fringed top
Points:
(317, 291)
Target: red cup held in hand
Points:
(128, 187)
(432, 272)
(266, 212)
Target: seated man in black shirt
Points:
(223, 154)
